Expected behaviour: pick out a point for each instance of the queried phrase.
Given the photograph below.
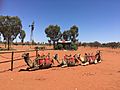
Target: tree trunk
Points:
(54, 44)
(8, 44)
(5, 43)
(22, 40)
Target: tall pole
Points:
(12, 61)
(32, 28)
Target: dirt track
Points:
(102, 76)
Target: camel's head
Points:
(98, 52)
(78, 56)
(25, 55)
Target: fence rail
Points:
(12, 57)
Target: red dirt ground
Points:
(102, 76)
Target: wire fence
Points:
(13, 58)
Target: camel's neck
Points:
(98, 56)
(81, 58)
(28, 61)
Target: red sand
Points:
(102, 76)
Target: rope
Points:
(17, 51)
(13, 60)
(9, 58)
(4, 57)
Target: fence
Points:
(12, 57)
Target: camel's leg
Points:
(84, 64)
(52, 61)
(34, 68)
(87, 63)
(72, 64)
(57, 61)
(29, 63)
(35, 64)
(77, 61)
(99, 61)
(95, 62)
(63, 64)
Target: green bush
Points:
(60, 46)
(74, 47)
(56, 47)
(66, 47)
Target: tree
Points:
(84, 44)
(74, 33)
(96, 44)
(66, 35)
(22, 35)
(53, 32)
(10, 27)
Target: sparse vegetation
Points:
(74, 47)
(98, 44)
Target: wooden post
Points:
(36, 52)
(12, 61)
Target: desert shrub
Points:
(66, 47)
(74, 47)
(56, 47)
(60, 46)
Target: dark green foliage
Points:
(60, 46)
(53, 32)
(10, 27)
(84, 44)
(56, 47)
(66, 47)
(74, 33)
(66, 35)
(111, 45)
(71, 34)
(94, 44)
(74, 46)
(98, 44)
(22, 35)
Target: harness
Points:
(41, 61)
(44, 61)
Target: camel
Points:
(83, 60)
(90, 59)
(68, 61)
(38, 63)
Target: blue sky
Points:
(98, 20)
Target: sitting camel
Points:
(83, 60)
(90, 59)
(67, 61)
(42, 62)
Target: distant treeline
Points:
(98, 44)
(26, 43)
(85, 44)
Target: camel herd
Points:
(45, 61)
